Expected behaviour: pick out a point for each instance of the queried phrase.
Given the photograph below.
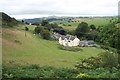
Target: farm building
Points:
(86, 43)
(56, 36)
(69, 40)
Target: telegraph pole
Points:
(25, 30)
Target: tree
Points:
(51, 26)
(22, 21)
(82, 29)
(38, 29)
(54, 25)
(109, 36)
(44, 22)
(59, 30)
(36, 23)
(45, 34)
(26, 28)
(93, 35)
(48, 27)
(93, 27)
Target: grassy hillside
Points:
(7, 21)
(95, 21)
(18, 49)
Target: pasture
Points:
(21, 50)
(91, 21)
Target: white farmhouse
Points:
(69, 40)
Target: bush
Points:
(45, 34)
(37, 29)
(33, 66)
(105, 59)
(69, 25)
(109, 59)
(71, 32)
(44, 22)
(17, 41)
(26, 28)
(82, 75)
(109, 48)
(90, 63)
(100, 73)
(93, 27)
(35, 71)
(74, 49)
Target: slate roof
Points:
(68, 37)
(63, 37)
(86, 43)
(91, 42)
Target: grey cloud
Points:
(59, 7)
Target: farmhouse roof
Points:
(87, 42)
(68, 37)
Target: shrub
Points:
(109, 59)
(93, 27)
(82, 75)
(71, 32)
(64, 24)
(17, 41)
(26, 28)
(105, 59)
(90, 63)
(34, 66)
(45, 34)
(44, 22)
(74, 49)
(109, 48)
(37, 29)
(69, 25)
(99, 73)
(35, 71)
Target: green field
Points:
(91, 21)
(21, 50)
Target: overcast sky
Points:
(21, 9)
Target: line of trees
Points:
(45, 29)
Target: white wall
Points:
(65, 42)
(76, 42)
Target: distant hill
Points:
(38, 20)
(7, 21)
(34, 20)
(50, 19)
